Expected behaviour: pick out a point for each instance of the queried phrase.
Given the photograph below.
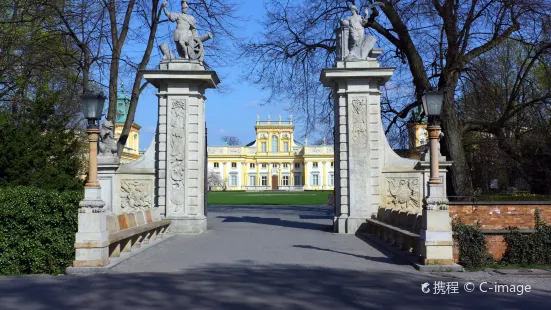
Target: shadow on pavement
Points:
(248, 287)
(276, 222)
(384, 259)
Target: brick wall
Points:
(499, 216)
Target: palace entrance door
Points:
(274, 183)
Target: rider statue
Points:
(188, 44)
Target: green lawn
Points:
(268, 198)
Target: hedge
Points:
(38, 230)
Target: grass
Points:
(268, 198)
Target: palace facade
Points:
(273, 161)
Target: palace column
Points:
(324, 186)
(181, 143)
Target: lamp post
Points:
(92, 237)
(436, 232)
(432, 104)
(92, 106)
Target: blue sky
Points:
(232, 112)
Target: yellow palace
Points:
(273, 161)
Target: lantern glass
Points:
(92, 105)
(432, 103)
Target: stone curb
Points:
(413, 259)
(85, 271)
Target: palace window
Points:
(274, 165)
(315, 164)
(297, 165)
(332, 164)
(315, 180)
(285, 180)
(332, 179)
(252, 180)
(297, 179)
(233, 180)
(234, 165)
(264, 166)
(263, 147)
(285, 165)
(275, 146)
(251, 165)
(264, 180)
(285, 146)
(216, 165)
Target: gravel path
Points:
(264, 258)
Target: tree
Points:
(106, 27)
(231, 140)
(214, 179)
(505, 102)
(433, 43)
(38, 149)
(40, 137)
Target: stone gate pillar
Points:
(360, 142)
(181, 143)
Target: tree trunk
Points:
(453, 138)
(136, 87)
(113, 85)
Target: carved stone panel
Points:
(359, 120)
(359, 170)
(234, 151)
(215, 151)
(315, 150)
(402, 193)
(177, 155)
(136, 195)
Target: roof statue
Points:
(189, 44)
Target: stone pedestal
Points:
(107, 167)
(181, 144)
(92, 239)
(436, 233)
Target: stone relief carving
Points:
(359, 118)
(177, 154)
(136, 195)
(263, 135)
(403, 194)
(316, 150)
(234, 151)
(285, 135)
(107, 144)
(215, 151)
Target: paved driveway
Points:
(260, 258)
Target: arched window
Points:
(275, 147)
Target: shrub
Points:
(473, 250)
(529, 249)
(37, 230)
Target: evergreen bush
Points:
(37, 230)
